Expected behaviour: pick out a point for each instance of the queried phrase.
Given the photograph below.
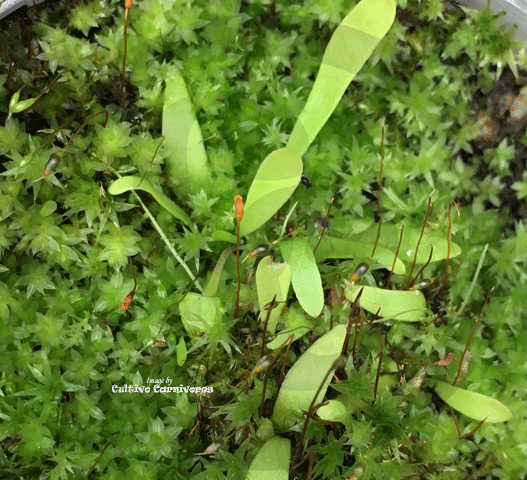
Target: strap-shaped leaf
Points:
(390, 237)
(350, 46)
(272, 279)
(125, 184)
(473, 405)
(305, 276)
(181, 352)
(272, 461)
(186, 159)
(332, 247)
(275, 181)
(306, 375)
(402, 305)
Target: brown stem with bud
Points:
(127, 6)
(238, 211)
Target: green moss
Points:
(65, 242)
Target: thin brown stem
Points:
(248, 360)
(377, 238)
(238, 206)
(266, 376)
(52, 134)
(91, 117)
(421, 270)
(97, 460)
(378, 211)
(271, 306)
(471, 335)
(395, 258)
(472, 432)
(9, 69)
(449, 232)
(379, 366)
(336, 364)
(127, 5)
(428, 210)
(325, 225)
(354, 314)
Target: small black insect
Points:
(305, 181)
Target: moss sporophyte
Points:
(324, 347)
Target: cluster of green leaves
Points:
(248, 68)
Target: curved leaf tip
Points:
(472, 404)
(275, 181)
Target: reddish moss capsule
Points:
(51, 166)
(263, 364)
(447, 361)
(238, 208)
(128, 300)
(423, 284)
(361, 269)
(259, 250)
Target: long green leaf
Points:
(305, 276)
(350, 46)
(332, 247)
(306, 375)
(390, 237)
(473, 405)
(272, 461)
(186, 159)
(404, 306)
(275, 181)
(212, 285)
(125, 184)
(272, 279)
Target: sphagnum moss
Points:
(65, 272)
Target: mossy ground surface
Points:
(65, 242)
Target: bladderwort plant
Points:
(367, 406)
(277, 178)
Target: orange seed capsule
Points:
(238, 207)
(258, 250)
(447, 361)
(425, 283)
(361, 269)
(51, 166)
(128, 300)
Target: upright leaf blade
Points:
(305, 276)
(272, 281)
(333, 247)
(275, 181)
(401, 305)
(186, 159)
(272, 461)
(306, 375)
(350, 46)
